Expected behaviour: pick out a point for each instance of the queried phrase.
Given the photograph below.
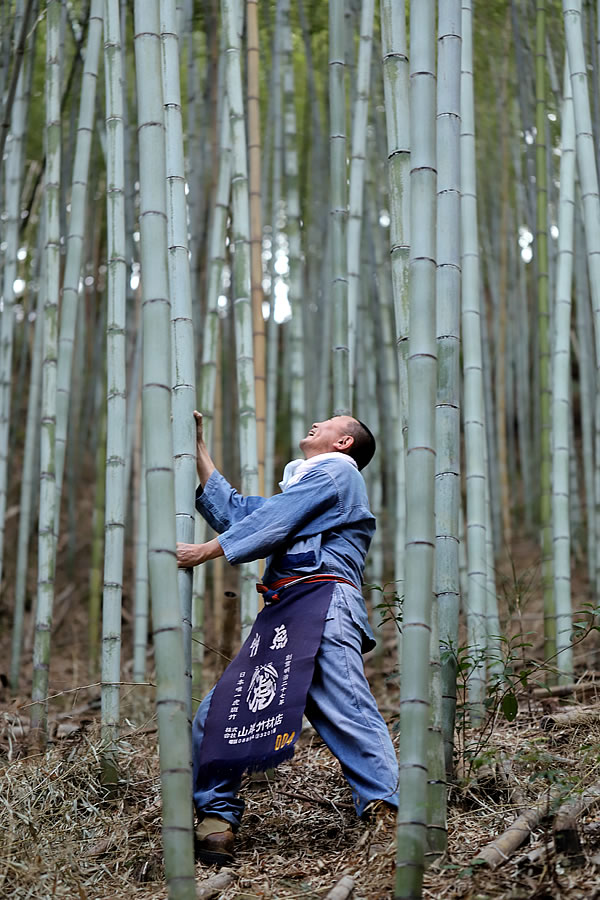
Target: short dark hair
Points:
(363, 448)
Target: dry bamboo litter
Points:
(571, 718)
(60, 838)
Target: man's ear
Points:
(344, 443)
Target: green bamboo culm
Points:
(396, 90)
(273, 327)
(46, 523)
(13, 175)
(28, 483)
(180, 288)
(208, 381)
(293, 215)
(541, 244)
(473, 393)
(339, 211)
(171, 702)
(561, 400)
(420, 462)
(140, 626)
(75, 240)
(12, 219)
(116, 388)
(241, 290)
(97, 553)
(588, 180)
(448, 282)
(357, 175)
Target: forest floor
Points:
(61, 838)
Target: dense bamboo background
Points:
(275, 212)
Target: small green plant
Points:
(390, 608)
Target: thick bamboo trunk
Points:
(174, 734)
(420, 463)
(182, 329)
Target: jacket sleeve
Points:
(279, 518)
(221, 505)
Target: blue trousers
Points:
(341, 708)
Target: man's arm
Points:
(272, 525)
(218, 502)
(280, 518)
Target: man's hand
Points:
(190, 555)
(204, 464)
(199, 427)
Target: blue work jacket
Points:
(320, 524)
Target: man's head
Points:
(343, 434)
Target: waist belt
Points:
(271, 592)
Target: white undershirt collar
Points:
(295, 469)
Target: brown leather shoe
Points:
(215, 841)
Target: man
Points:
(304, 653)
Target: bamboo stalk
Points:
(561, 377)
(254, 185)
(241, 282)
(296, 267)
(27, 488)
(541, 245)
(16, 117)
(357, 175)
(116, 389)
(420, 463)
(339, 211)
(46, 523)
(182, 329)
(75, 242)
(473, 405)
(276, 212)
(174, 733)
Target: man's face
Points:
(327, 436)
